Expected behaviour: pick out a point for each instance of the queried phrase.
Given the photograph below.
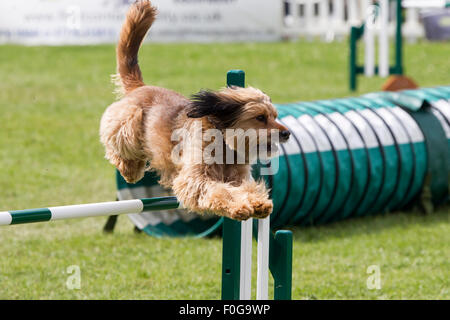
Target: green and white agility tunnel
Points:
(346, 158)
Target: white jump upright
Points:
(262, 283)
(246, 260)
(262, 278)
(376, 24)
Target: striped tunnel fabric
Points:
(87, 210)
(357, 156)
(350, 139)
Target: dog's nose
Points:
(284, 135)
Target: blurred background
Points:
(58, 22)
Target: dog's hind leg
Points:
(121, 134)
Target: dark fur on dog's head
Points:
(223, 112)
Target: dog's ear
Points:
(203, 103)
(222, 110)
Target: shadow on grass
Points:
(369, 225)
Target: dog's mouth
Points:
(284, 140)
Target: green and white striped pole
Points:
(88, 210)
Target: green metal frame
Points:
(280, 246)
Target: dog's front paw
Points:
(241, 212)
(262, 208)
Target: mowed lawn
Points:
(51, 101)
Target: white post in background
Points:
(245, 292)
(383, 38)
(324, 24)
(289, 19)
(318, 20)
(369, 39)
(262, 286)
(339, 25)
(352, 9)
(302, 23)
(309, 19)
(295, 11)
(412, 27)
(339, 16)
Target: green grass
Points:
(51, 101)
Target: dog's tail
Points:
(138, 21)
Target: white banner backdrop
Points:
(57, 22)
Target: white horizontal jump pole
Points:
(88, 210)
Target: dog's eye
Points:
(261, 118)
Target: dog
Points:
(137, 132)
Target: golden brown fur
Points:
(138, 129)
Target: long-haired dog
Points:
(137, 132)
